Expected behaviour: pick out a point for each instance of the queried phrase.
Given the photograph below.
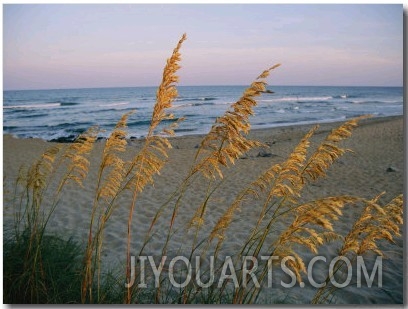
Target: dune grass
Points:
(39, 268)
(53, 277)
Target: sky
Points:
(56, 46)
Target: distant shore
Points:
(376, 165)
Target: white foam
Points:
(113, 104)
(33, 106)
(291, 99)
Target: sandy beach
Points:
(376, 165)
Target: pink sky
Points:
(78, 46)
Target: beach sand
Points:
(376, 165)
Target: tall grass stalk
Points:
(151, 158)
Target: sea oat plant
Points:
(132, 176)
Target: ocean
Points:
(60, 115)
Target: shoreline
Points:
(67, 140)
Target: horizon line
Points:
(232, 85)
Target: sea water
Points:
(63, 114)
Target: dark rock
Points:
(391, 169)
(64, 139)
(265, 154)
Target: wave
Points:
(298, 99)
(196, 99)
(366, 102)
(33, 106)
(72, 126)
(33, 115)
(357, 102)
(7, 128)
(384, 102)
(200, 104)
(139, 123)
(343, 96)
(114, 110)
(148, 121)
(113, 104)
(68, 103)
(190, 104)
(41, 106)
(391, 101)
